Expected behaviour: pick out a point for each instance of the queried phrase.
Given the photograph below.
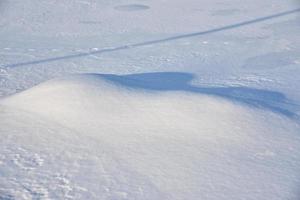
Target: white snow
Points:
(149, 99)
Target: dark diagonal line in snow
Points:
(189, 35)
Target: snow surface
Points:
(149, 99)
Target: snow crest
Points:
(103, 136)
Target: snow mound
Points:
(117, 137)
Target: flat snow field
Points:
(150, 99)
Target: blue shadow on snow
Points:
(179, 81)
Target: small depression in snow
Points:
(225, 12)
(272, 60)
(90, 22)
(131, 7)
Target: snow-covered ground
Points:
(148, 99)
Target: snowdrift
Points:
(97, 136)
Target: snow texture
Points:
(149, 99)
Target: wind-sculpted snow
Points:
(124, 137)
(173, 99)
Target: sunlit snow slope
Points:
(110, 137)
(150, 99)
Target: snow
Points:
(149, 99)
(142, 144)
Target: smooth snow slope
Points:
(111, 137)
(219, 121)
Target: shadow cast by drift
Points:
(179, 81)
